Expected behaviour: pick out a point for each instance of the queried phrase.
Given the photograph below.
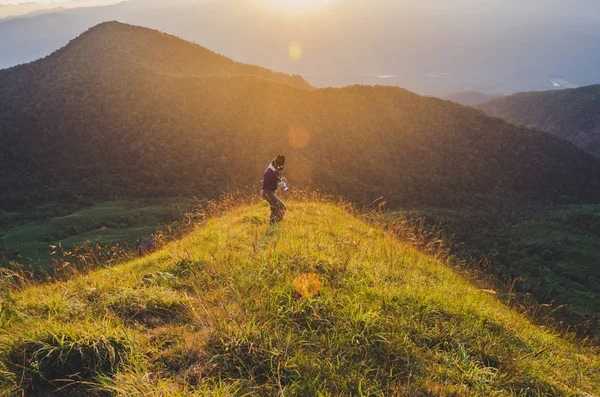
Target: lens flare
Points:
(307, 285)
(298, 137)
(295, 51)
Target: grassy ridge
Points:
(217, 313)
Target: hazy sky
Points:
(31, 1)
(37, 1)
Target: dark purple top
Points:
(270, 180)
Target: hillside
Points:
(548, 254)
(126, 111)
(571, 114)
(219, 313)
(27, 236)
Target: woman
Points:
(271, 180)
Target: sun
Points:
(299, 5)
(296, 2)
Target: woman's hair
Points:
(279, 161)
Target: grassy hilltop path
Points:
(217, 313)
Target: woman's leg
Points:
(281, 208)
(269, 197)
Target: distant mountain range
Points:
(128, 111)
(9, 10)
(19, 9)
(533, 43)
(573, 114)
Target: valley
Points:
(27, 236)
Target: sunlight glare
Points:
(297, 5)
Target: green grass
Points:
(107, 223)
(554, 253)
(567, 243)
(216, 313)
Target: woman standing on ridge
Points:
(271, 181)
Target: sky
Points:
(44, 2)
(32, 1)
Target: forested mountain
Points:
(127, 111)
(111, 48)
(471, 97)
(572, 114)
(491, 46)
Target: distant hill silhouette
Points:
(572, 114)
(10, 10)
(30, 8)
(471, 97)
(128, 111)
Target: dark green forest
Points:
(127, 111)
(572, 114)
(471, 97)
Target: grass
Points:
(114, 222)
(61, 357)
(217, 313)
(553, 253)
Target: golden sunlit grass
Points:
(222, 312)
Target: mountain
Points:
(471, 97)
(323, 304)
(496, 46)
(127, 111)
(29, 37)
(571, 114)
